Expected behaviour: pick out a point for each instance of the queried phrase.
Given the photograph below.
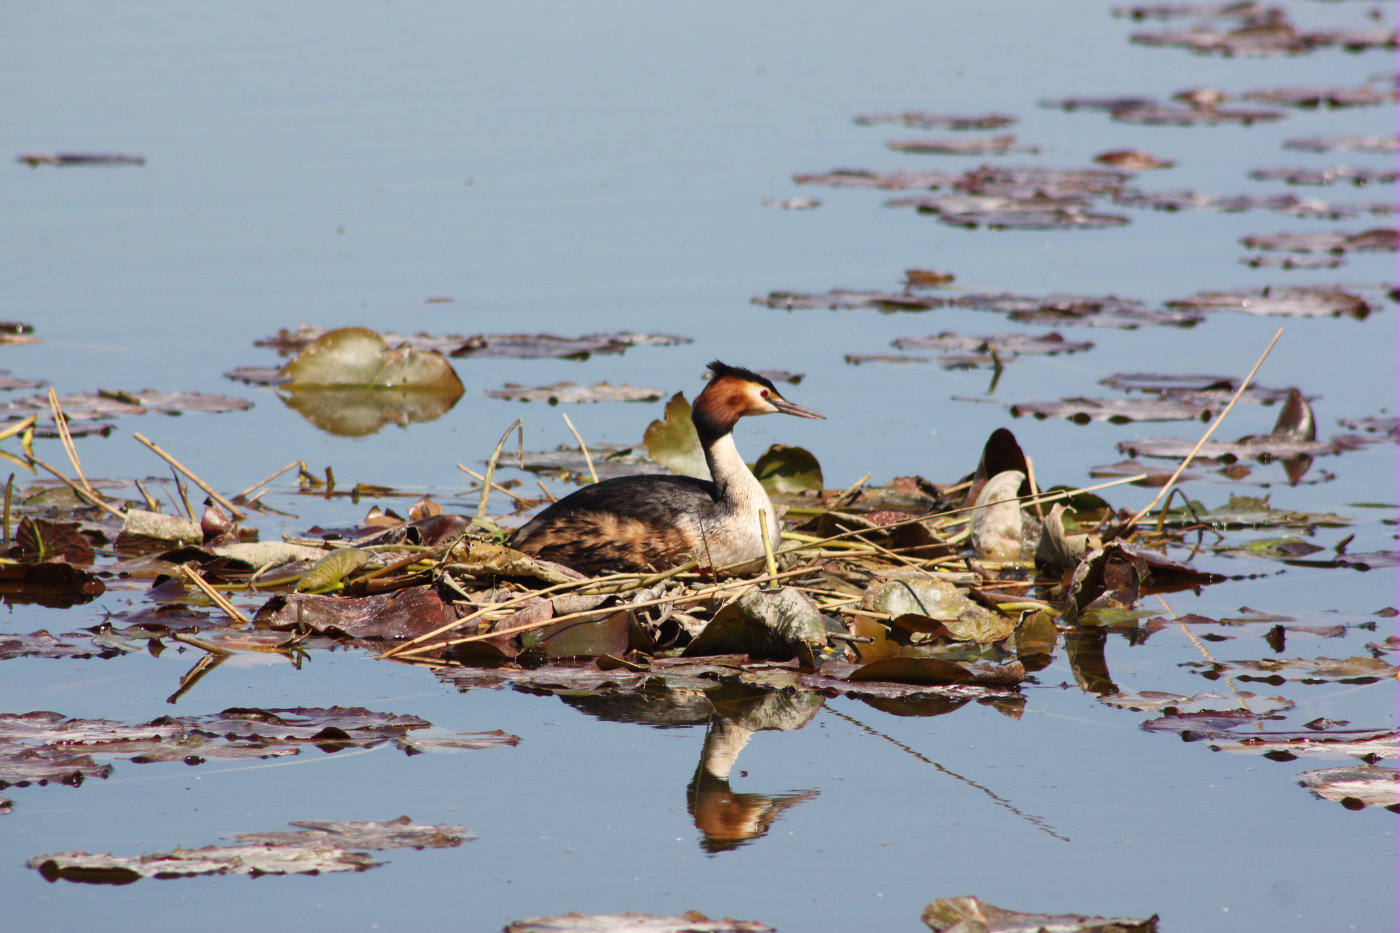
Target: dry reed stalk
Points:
(291, 466)
(1244, 384)
(587, 457)
(19, 427)
(176, 464)
(491, 471)
(481, 479)
(218, 598)
(61, 422)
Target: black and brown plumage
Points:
(652, 522)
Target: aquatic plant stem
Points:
(587, 458)
(218, 598)
(497, 486)
(176, 464)
(1244, 384)
(491, 471)
(291, 466)
(19, 427)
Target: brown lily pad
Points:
(967, 350)
(1294, 301)
(1327, 176)
(1377, 144)
(1115, 410)
(1356, 787)
(61, 159)
(919, 119)
(1380, 239)
(692, 921)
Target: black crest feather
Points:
(718, 369)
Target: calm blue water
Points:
(574, 168)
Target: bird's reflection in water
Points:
(732, 713)
(727, 819)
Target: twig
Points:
(491, 471)
(545, 489)
(481, 479)
(61, 423)
(587, 458)
(1204, 437)
(184, 495)
(1035, 490)
(218, 598)
(194, 479)
(291, 466)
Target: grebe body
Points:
(651, 522)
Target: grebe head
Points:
(734, 392)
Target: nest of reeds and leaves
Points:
(895, 591)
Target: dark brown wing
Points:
(633, 523)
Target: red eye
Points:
(764, 393)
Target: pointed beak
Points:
(787, 408)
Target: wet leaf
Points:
(1356, 787)
(996, 521)
(865, 178)
(989, 145)
(173, 403)
(1096, 311)
(1059, 550)
(969, 914)
(1116, 410)
(401, 614)
(1265, 447)
(401, 833)
(579, 638)
(1378, 144)
(356, 356)
(255, 861)
(42, 644)
(764, 624)
(37, 539)
(1315, 97)
(1132, 159)
(839, 298)
(691, 921)
(330, 571)
(1380, 239)
(609, 460)
(783, 468)
(1173, 704)
(1252, 512)
(918, 119)
(1193, 385)
(20, 767)
(1120, 572)
(514, 346)
(570, 392)
(1359, 670)
(1327, 176)
(997, 348)
(673, 443)
(35, 159)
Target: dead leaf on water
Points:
(919, 119)
(1305, 175)
(571, 392)
(967, 914)
(692, 921)
(1356, 787)
(35, 159)
(1377, 144)
(990, 145)
(1290, 301)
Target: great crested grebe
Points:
(650, 522)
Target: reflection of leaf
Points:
(786, 469)
(932, 671)
(673, 443)
(357, 412)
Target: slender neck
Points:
(727, 467)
